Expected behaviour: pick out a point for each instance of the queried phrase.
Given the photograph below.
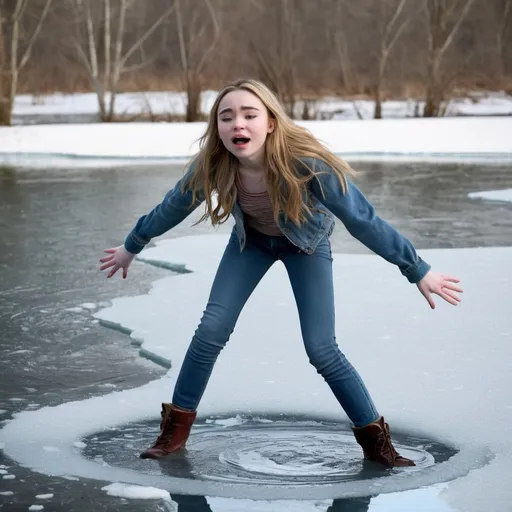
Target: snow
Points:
(164, 102)
(137, 492)
(493, 195)
(109, 144)
(6, 493)
(9, 477)
(439, 355)
(44, 496)
(36, 507)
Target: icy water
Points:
(53, 227)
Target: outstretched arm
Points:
(359, 217)
(173, 209)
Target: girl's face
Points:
(243, 123)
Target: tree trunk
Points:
(433, 96)
(193, 88)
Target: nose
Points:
(238, 123)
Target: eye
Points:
(225, 119)
(250, 116)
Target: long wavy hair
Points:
(215, 167)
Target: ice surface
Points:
(50, 448)
(493, 195)
(411, 139)
(8, 477)
(137, 492)
(3, 472)
(6, 493)
(88, 305)
(44, 496)
(75, 309)
(454, 379)
(36, 507)
(231, 505)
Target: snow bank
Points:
(410, 139)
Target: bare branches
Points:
(11, 41)
(113, 21)
(439, 15)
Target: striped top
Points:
(257, 208)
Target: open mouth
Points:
(240, 141)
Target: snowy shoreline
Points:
(447, 139)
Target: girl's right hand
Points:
(118, 257)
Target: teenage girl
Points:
(283, 189)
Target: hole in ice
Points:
(280, 451)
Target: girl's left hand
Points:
(441, 285)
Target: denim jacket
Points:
(326, 199)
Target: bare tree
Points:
(197, 37)
(16, 43)
(276, 55)
(391, 25)
(503, 11)
(444, 18)
(343, 15)
(110, 25)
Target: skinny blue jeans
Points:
(312, 283)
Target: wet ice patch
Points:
(493, 195)
(439, 353)
(136, 492)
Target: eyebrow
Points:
(229, 109)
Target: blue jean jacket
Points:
(326, 199)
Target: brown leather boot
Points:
(174, 431)
(375, 440)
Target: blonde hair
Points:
(285, 148)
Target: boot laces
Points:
(166, 431)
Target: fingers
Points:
(107, 258)
(450, 278)
(428, 297)
(125, 272)
(114, 270)
(430, 301)
(453, 287)
(450, 297)
(108, 264)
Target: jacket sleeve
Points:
(173, 209)
(359, 217)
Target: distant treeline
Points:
(423, 49)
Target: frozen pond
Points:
(54, 226)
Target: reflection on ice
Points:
(452, 387)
